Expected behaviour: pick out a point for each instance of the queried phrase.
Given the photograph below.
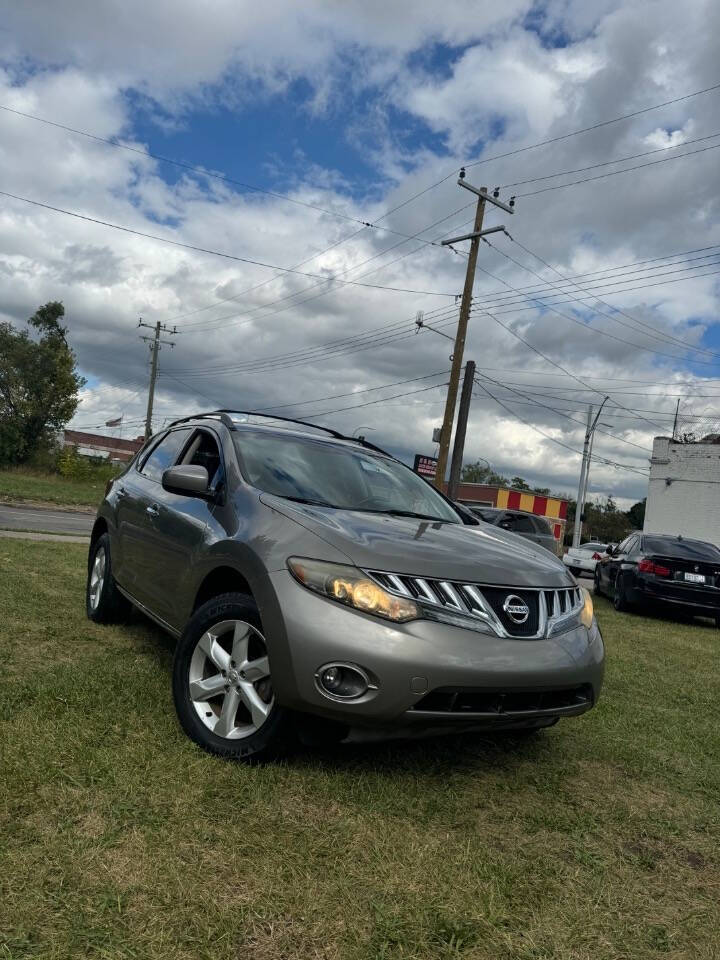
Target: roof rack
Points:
(225, 417)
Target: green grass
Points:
(24, 484)
(119, 839)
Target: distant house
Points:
(106, 448)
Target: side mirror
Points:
(190, 480)
(610, 550)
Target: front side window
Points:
(164, 454)
(204, 452)
(335, 475)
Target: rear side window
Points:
(542, 526)
(164, 454)
(517, 523)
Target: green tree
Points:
(517, 483)
(479, 472)
(636, 514)
(38, 383)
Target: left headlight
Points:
(586, 615)
(352, 587)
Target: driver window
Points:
(203, 452)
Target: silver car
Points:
(320, 590)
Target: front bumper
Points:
(503, 676)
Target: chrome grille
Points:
(478, 602)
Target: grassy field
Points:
(31, 485)
(118, 839)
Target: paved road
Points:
(45, 519)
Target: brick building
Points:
(107, 448)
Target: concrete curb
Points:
(57, 537)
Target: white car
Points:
(583, 559)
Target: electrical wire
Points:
(217, 253)
(608, 163)
(654, 333)
(616, 173)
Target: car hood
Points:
(446, 551)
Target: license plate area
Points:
(694, 577)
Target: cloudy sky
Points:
(291, 127)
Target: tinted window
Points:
(687, 549)
(336, 475)
(542, 526)
(517, 523)
(631, 545)
(164, 454)
(622, 547)
(204, 452)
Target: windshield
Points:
(331, 475)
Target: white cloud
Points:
(623, 59)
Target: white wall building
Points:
(684, 489)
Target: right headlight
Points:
(586, 614)
(350, 586)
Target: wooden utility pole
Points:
(155, 348)
(461, 430)
(457, 357)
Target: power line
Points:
(369, 403)
(616, 173)
(564, 414)
(352, 393)
(655, 334)
(214, 323)
(551, 140)
(608, 163)
(548, 436)
(218, 253)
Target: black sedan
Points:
(659, 569)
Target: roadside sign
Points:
(425, 466)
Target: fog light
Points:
(343, 681)
(331, 678)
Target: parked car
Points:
(584, 558)
(319, 588)
(662, 570)
(527, 525)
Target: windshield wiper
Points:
(405, 513)
(312, 503)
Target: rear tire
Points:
(222, 684)
(620, 601)
(103, 601)
(596, 583)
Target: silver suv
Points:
(320, 589)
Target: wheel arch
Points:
(99, 528)
(221, 579)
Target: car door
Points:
(617, 561)
(137, 509)
(178, 529)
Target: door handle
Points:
(153, 510)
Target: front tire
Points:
(103, 601)
(222, 684)
(597, 590)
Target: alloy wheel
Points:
(229, 680)
(97, 577)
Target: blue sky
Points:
(356, 108)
